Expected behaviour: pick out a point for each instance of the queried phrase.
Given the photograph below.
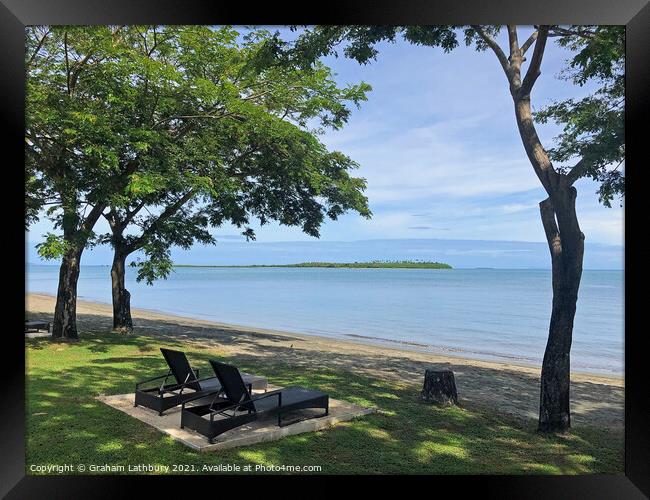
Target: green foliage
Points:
(360, 41)
(35, 196)
(594, 126)
(176, 128)
(53, 247)
(182, 229)
(157, 265)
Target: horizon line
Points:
(229, 239)
(282, 265)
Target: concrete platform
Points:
(256, 432)
(35, 329)
(34, 335)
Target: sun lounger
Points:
(184, 383)
(236, 405)
(36, 326)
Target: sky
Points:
(438, 145)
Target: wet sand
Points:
(500, 387)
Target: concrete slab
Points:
(256, 432)
(33, 335)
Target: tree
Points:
(593, 139)
(70, 147)
(235, 144)
(195, 128)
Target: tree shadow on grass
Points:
(66, 423)
(502, 391)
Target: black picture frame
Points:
(634, 14)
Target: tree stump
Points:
(439, 387)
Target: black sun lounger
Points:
(36, 326)
(236, 405)
(185, 384)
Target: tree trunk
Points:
(566, 245)
(439, 387)
(65, 311)
(122, 321)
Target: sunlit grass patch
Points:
(110, 446)
(65, 423)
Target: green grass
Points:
(376, 264)
(65, 424)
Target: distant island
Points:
(375, 264)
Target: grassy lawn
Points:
(65, 424)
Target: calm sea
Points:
(490, 314)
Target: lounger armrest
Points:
(201, 395)
(204, 369)
(277, 393)
(184, 385)
(170, 390)
(202, 379)
(189, 382)
(138, 384)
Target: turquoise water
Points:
(490, 314)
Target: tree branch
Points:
(556, 31)
(491, 42)
(111, 218)
(119, 225)
(529, 42)
(132, 213)
(578, 170)
(513, 40)
(551, 230)
(94, 214)
(166, 214)
(67, 62)
(535, 63)
(78, 66)
(38, 48)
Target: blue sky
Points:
(439, 147)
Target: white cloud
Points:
(514, 208)
(438, 160)
(602, 228)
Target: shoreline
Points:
(501, 388)
(403, 347)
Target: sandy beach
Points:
(499, 387)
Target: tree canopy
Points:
(168, 130)
(178, 127)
